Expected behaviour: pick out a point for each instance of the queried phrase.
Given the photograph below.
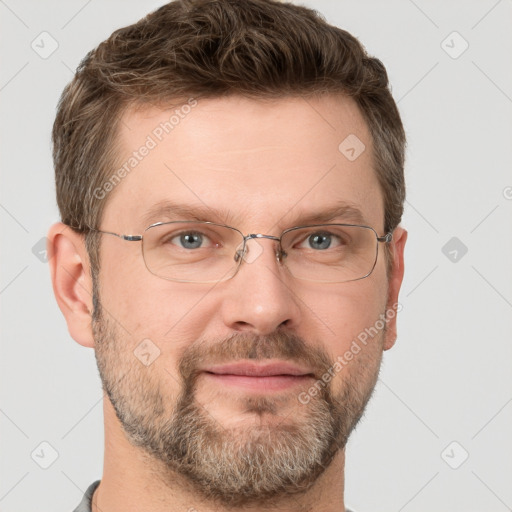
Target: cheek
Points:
(144, 306)
(357, 322)
(346, 321)
(342, 311)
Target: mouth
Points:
(250, 376)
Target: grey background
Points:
(449, 376)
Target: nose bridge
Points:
(259, 235)
(270, 302)
(253, 251)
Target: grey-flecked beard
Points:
(234, 466)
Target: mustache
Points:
(278, 345)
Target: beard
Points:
(277, 455)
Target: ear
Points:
(71, 280)
(395, 282)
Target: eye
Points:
(320, 241)
(189, 240)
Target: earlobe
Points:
(395, 282)
(71, 281)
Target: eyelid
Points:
(207, 237)
(315, 230)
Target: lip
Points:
(249, 369)
(275, 376)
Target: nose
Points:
(260, 297)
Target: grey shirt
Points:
(85, 504)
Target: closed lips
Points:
(259, 370)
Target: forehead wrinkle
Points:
(242, 151)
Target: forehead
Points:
(250, 163)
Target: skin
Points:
(267, 163)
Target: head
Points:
(245, 130)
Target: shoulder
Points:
(85, 504)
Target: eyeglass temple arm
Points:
(130, 238)
(386, 238)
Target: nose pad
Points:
(280, 254)
(240, 253)
(252, 251)
(250, 255)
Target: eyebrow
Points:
(168, 210)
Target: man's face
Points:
(262, 168)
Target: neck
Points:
(132, 480)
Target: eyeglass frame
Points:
(387, 238)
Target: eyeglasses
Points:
(206, 252)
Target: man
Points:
(230, 180)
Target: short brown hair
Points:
(214, 48)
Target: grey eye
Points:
(320, 240)
(189, 240)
